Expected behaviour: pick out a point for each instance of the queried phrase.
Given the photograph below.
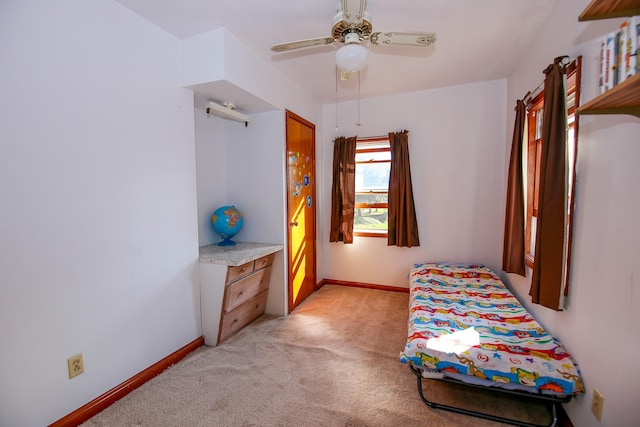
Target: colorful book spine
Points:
(624, 54)
(602, 43)
(617, 62)
(610, 61)
(634, 35)
(619, 54)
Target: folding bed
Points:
(465, 326)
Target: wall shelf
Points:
(604, 9)
(623, 98)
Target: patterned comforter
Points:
(465, 323)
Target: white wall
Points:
(599, 327)
(244, 166)
(219, 66)
(255, 175)
(99, 228)
(255, 179)
(456, 139)
(211, 169)
(98, 233)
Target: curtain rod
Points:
(378, 137)
(532, 94)
(373, 138)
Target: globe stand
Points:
(226, 241)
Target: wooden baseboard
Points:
(98, 404)
(361, 285)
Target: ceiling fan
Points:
(352, 26)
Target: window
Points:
(532, 152)
(373, 164)
(532, 174)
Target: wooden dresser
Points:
(234, 285)
(245, 295)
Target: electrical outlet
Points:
(76, 365)
(597, 404)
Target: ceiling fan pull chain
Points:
(359, 123)
(336, 99)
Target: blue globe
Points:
(227, 222)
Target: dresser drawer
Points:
(265, 261)
(236, 272)
(244, 314)
(246, 288)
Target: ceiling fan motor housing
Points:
(341, 29)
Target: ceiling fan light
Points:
(352, 57)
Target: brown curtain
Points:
(513, 249)
(403, 224)
(548, 269)
(343, 189)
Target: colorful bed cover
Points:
(465, 323)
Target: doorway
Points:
(301, 209)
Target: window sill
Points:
(370, 234)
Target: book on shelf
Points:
(624, 54)
(634, 44)
(602, 43)
(619, 53)
(610, 61)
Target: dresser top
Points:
(240, 253)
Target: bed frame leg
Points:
(552, 406)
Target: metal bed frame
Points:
(552, 403)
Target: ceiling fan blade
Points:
(399, 38)
(301, 43)
(353, 12)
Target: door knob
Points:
(293, 223)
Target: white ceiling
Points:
(478, 40)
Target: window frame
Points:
(532, 151)
(531, 160)
(364, 145)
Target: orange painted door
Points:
(301, 208)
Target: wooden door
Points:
(301, 208)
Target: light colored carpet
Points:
(333, 362)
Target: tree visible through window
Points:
(373, 163)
